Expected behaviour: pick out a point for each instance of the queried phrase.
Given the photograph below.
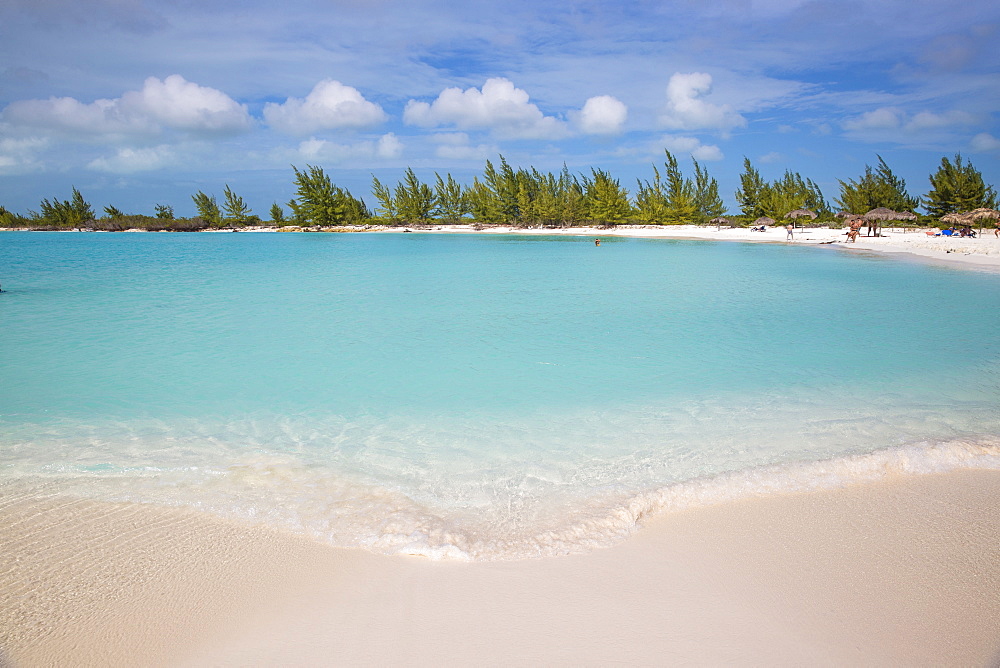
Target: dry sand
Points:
(905, 571)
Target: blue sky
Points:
(139, 102)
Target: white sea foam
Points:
(525, 511)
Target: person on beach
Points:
(790, 229)
(996, 232)
(855, 230)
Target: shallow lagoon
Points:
(478, 396)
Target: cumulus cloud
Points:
(499, 107)
(686, 110)
(894, 118)
(601, 115)
(985, 143)
(387, 146)
(18, 155)
(131, 160)
(173, 103)
(181, 104)
(329, 106)
(880, 119)
(693, 147)
(456, 146)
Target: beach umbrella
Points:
(844, 214)
(764, 220)
(800, 213)
(720, 221)
(906, 215)
(880, 214)
(982, 214)
(952, 218)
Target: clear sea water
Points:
(479, 396)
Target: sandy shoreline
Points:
(981, 252)
(905, 571)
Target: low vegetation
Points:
(522, 197)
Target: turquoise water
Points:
(479, 396)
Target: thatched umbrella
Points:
(844, 214)
(906, 215)
(720, 221)
(982, 214)
(879, 214)
(952, 218)
(764, 220)
(800, 213)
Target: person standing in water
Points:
(597, 242)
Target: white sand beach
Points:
(904, 571)
(982, 251)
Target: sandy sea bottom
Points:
(479, 397)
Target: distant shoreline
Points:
(982, 252)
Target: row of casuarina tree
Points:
(503, 195)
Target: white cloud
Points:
(389, 146)
(601, 115)
(881, 119)
(19, 155)
(894, 118)
(181, 104)
(129, 160)
(686, 110)
(329, 106)
(985, 142)
(173, 103)
(926, 120)
(456, 146)
(693, 147)
(499, 107)
(768, 158)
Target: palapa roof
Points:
(977, 214)
(801, 213)
(719, 220)
(764, 220)
(883, 213)
(844, 214)
(954, 218)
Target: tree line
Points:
(504, 195)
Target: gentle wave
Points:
(311, 501)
